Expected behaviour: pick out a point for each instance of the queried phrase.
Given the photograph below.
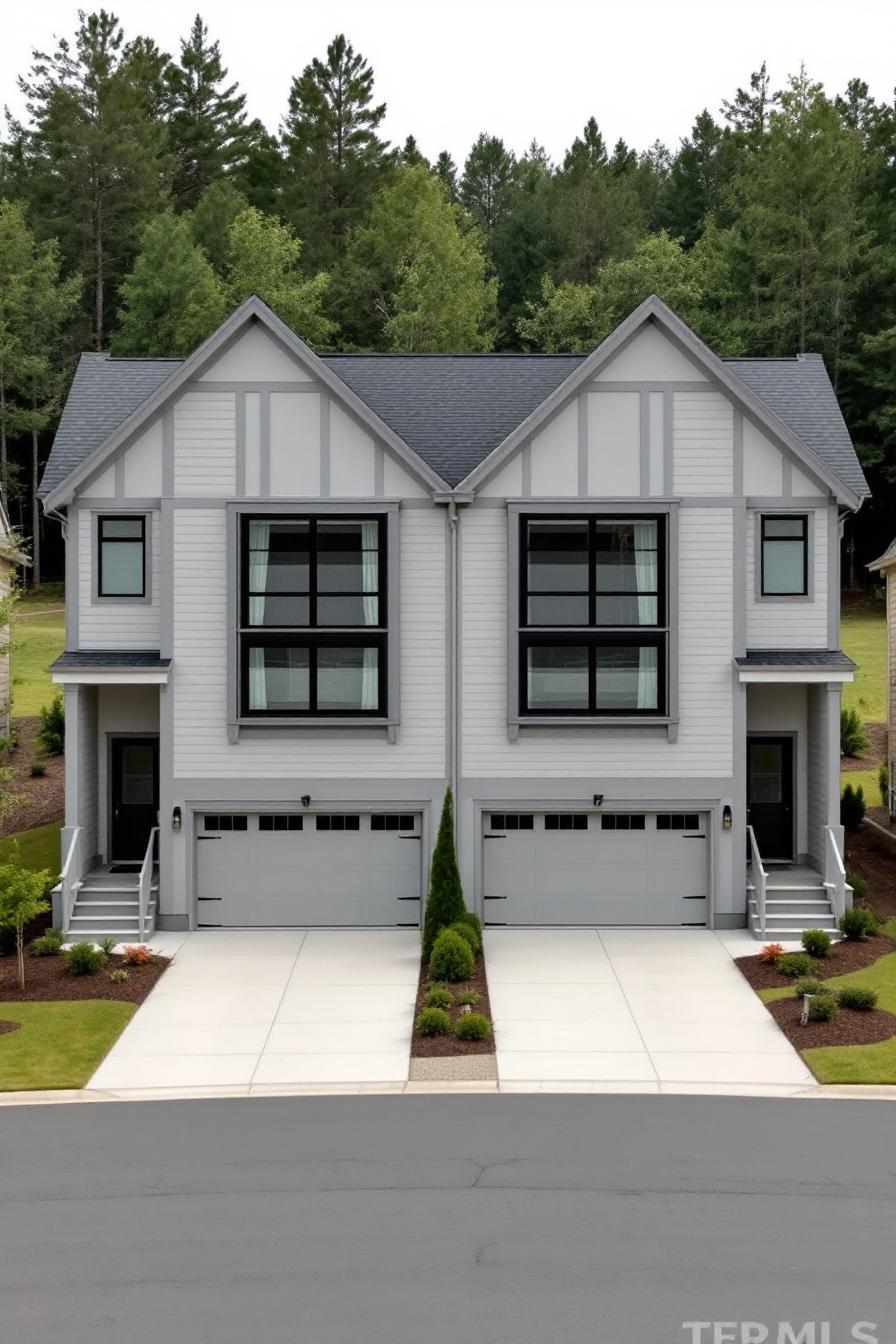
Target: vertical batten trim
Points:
(787, 478)
(73, 578)
(264, 447)
(644, 440)
(166, 579)
(168, 453)
(583, 444)
(739, 603)
(119, 476)
(379, 470)
(738, 462)
(241, 443)
(527, 470)
(833, 577)
(668, 442)
(324, 446)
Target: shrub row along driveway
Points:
(255, 1008)
(645, 1007)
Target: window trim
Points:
(386, 720)
(807, 518)
(642, 507)
(98, 516)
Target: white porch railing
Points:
(146, 885)
(70, 879)
(760, 879)
(834, 873)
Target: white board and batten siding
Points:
(704, 746)
(201, 712)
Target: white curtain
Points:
(647, 669)
(258, 688)
(259, 548)
(646, 571)
(370, 678)
(370, 563)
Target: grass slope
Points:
(38, 848)
(863, 636)
(38, 636)
(59, 1044)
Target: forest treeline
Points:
(139, 204)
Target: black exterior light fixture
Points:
(305, 799)
(727, 819)
(175, 819)
(598, 800)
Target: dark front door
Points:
(770, 794)
(135, 795)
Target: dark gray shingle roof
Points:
(104, 392)
(800, 391)
(826, 658)
(452, 410)
(109, 659)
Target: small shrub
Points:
(468, 998)
(822, 1008)
(859, 886)
(771, 952)
(452, 958)
(807, 985)
(474, 922)
(433, 1022)
(119, 976)
(51, 734)
(473, 1027)
(137, 954)
(49, 944)
(817, 942)
(795, 964)
(108, 945)
(467, 932)
(853, 738)
(883, 783)
(84, 959)
(438, 996)
(858, 923)
(852, 807)
(857, 997)
(37, 769)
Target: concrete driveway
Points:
(633, 1006)
(269, 1008)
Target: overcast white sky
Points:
(514, 68)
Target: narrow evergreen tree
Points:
(445, 170)
(335, 159)
(206, 122)
(172, 299)
(411, 155)
(702, 167)
(487, 176)
(445, 901)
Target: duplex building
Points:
(597, 595)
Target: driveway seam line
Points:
(278, 1007)
(649, 1053)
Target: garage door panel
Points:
(335, 870)
(597, 868)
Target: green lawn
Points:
(38, 636)
(38, 848)
(60, 1044)
(864, 639)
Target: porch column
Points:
(833, 698)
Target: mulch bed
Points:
(842, 958)
(8, 1026)
(848, 1027)
(438, 1047)
(875, 753)
(44, 797)
(46, 979)
(873, 857)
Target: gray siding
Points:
(117, 624)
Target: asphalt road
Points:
(446, 1220)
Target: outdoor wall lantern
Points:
(727, 820)
(175, 819)
(598, 800)
(306, 799)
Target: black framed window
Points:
(313, 619)
(121, 555)
(593, 615)
(785, 555)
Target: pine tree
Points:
(445, 170)
(486, 180)
(598, 214)
(335, 159)
(411, 155)
(263, 259)
(525, 246)
(749, 111)
(94, 152)
(172, 299)
(445, 900)
(702, 167)
(206, 122)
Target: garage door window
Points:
(622, 821)
(678, 821)
(391, 822)
(225, 823)
(512, 821)
(280, 822)
(593, 625)
(338, 823)
(313, 619)
(566, 821)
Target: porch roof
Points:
(97, 667)
(794, 665)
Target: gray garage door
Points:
(595, 868)
(281, 870)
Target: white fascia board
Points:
(84, 676)
(792, 676)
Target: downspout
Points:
(453, 670)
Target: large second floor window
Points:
(313, 618)
(593, 624)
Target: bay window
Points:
(313, 616)
(593, 632)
